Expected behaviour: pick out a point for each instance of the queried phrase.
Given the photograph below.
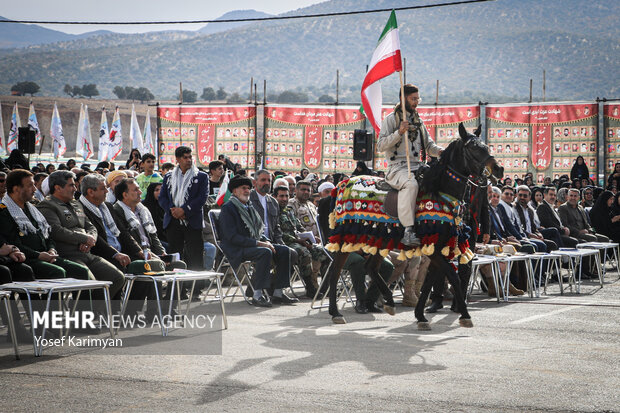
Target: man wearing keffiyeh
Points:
(25, 227)
(182, 197)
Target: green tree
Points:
(189, 96)
(90, 90)
(290, 96)
(235, 98)
(221, 94)
(68, 89)
(119, 91)
(326, 99)
(130, 92)
(143, 94)
(25, 87)
(208, 94)
(77, 91)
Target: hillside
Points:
(481, 51)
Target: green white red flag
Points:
(385, 60)
(224, 194)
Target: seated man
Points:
(391, 142)
(574, 216)
(509, 219)
(306, 251)
(528, 221)
(243, 238)
(73, 233)
(549, 218)
(23, 225)
(498, 229)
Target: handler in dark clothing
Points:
(243, 238)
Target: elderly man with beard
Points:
(243, 238)
(391, 142)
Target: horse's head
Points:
(476, 159)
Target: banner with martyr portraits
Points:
(319, 138)
(442, 123)
(544, 139)
(611, 123)
(210, 131)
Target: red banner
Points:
(555, 133)
(315, 137)
(212, 130)
(611, 121)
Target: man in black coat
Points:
(243, 238)
(550, 219)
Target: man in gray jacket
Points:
(391, 142)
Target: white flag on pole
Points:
(84, 145)
(2, 150)
(148, 137)
(13, 132)
(34, 123)
(59, 145)
(104, 137)
(115, 147)
(135, 136)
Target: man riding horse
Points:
(419, 144)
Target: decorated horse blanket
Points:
(359, 222)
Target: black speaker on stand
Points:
(26, 139)
(363, 148)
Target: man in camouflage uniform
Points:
(305, 210)
(307, 252)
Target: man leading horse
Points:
(419, 144)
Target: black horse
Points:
(445, 183)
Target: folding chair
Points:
(344, 286)
(476, 276)
(244, 268)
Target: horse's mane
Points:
(432, 177)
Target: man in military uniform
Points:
(391, 142)
(305, 210)
(23, 225)
(73, 233)
(306, 251)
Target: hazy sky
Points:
(137, 10)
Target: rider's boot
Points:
(410, 238)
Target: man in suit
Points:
(73, 233)
(529, 223)
(115, 246)
(182, 197)
(266, 206)
(243, 238)
(510, 221)
(550, 219)
(574, 216)
(498, 228)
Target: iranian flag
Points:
(223, 194)
(385, 61)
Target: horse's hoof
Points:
(466, 322)
(424, 326)
(339, 320)
(389, 309)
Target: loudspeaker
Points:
(25, 139)
(363, 147)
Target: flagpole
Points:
(405, 136)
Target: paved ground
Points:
(555, 353)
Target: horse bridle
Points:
(485, 171)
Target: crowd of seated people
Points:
(94, 223)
